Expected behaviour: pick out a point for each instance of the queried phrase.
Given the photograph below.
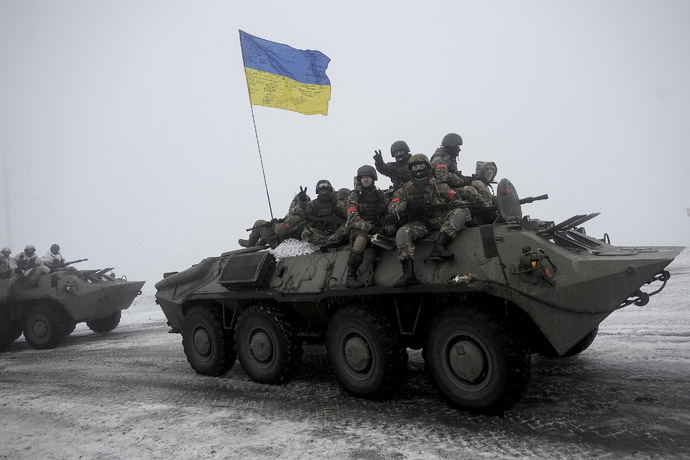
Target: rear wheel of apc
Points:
(267, 346)
(476, 362)
(106, 324)
(209, 349)
(44, 327)
(365, 353)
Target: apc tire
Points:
(476, 362)
(209, 349)
(10, 330)
(365, 353)
(44, 327)
(267, 346)
(578, 348)
(101, 325)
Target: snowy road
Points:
(131, 394)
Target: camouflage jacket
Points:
(366, 208)
(433, 193)
(399, 173)
(444, 167)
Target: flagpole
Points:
(261, 160)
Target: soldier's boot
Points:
(440, 252)
(244, 243)
(353, 263)
(408, 277)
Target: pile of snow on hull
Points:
(291, 248)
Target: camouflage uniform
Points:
(485, 174)
(20, 264)
(273, 233)
(445, 169)
(366, 212)
(5, 270)
(432, 192)
(397, 170)
(325, 217)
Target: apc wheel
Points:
(44, 327)
(10, 330)
(475, 362)
(106, 324)
(208, 348)
(366, 355)
(578, 348)
(267, 346)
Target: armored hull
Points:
(515, 287)
(49, 310)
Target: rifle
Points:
(475, 208)
(270, 222)
(58, 265)
(331, 221)
(478, 208)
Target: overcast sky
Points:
(128, 137)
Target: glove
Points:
(303, 194)
(416, 208)
(378, 158)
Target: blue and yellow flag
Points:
(284, 77)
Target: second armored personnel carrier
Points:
(50, 310)
(515, 286)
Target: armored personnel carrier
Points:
(50, 310)
(516, 286)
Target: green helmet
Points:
(366, 170)
(451, 140)
(343, 193)
(418, 158)
(399, 145)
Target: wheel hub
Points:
(39, 328)
(261, 346)
(467, 360)
(202, 341)
(357, 353)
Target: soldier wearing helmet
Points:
(417, 200)
(325, 216)
(444, 163)
(482, 179)
(5, 255)
(26, 265)
(52, 258)
(397, 170)
(276, 231)
(366, 212)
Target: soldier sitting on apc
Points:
(419, 200)
(276, 231)
(325, 216)
(397, 170)
(366, 213)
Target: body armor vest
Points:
(26, 263)
(371, 204)
(323, 208)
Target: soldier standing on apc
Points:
(418, 200)
(397, 170)
(366, 212)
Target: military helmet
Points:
(343, 193)
(30, 247)
(399, 145)
(6, 250)
(451, 140)
(323, 184)
(55, 248)
(366, 170)
(418, 158)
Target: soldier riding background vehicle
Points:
(50, 310)
(515, 287)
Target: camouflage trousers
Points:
(449, 223)
(317, 236)
(264, 233)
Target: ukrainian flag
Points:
(284, 77)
